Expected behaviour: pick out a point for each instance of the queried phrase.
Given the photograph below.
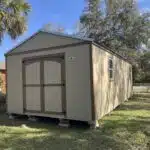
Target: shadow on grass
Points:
(49, 136)
(119, 131)
(136, 103)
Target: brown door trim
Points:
(42, 84)
(60, 60)
(23, 86)
(63, 87)
(24, 64)
(32, 85)
(6, 76)
(50, 84)
(54, 84)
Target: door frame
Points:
(63, 88)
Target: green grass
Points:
(126, 128)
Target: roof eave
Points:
(24, 41)
(111, 51)
(67, 35)
(53, 33)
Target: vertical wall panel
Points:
(53, 99)
(53, 88)
(109, 93)
(33, 98)
(52, 72)
(32, 71)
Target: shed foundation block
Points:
(11, 116)
(94, 124)
(33, 119)
(64, 123)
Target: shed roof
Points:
(68, 36)
(51, 33)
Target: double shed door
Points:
(44, 85)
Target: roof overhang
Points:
(83, 41)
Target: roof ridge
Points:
(67, 35)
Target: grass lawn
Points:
(126, 128)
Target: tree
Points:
(120, 26)
(13, 14)
(89, 20)
(145, 62)
(141, 71)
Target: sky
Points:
(65, 13)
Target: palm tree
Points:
(13, 14)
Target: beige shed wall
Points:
(108, 93)
(78, 89)
(48, 40)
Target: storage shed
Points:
(60, 76)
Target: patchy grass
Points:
(126, 128)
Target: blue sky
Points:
(62, 12)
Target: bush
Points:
(141, 70)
